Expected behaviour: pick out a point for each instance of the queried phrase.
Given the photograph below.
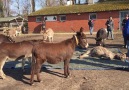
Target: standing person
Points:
(124, 29)
(91, 26)
(110, 27)
(43, 27)
(126, 34)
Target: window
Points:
(63, 18)
(38, 19)
(50, 18)
(92, 16)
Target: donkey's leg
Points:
(66, 68)
(23, 64)
(38, 68)
(51, 39)
(30, 60)
(2, 62)
(86, 54)
(33, 64)
(68, 72)
(103, 43)
(48, 38)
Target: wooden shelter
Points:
(12, 23)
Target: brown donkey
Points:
(14, 51)
(54, 53)
(6, 39)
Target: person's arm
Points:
(106, 23)
(123, 22)
(113, 25)
(88, 22)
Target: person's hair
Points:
(126, 15)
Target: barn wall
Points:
(33, 25)
(102, 18)
(75, 21)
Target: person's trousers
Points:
(111, 34)
(91, 30)
(125, 41)
(127, 48)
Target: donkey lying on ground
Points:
(100, 51)
(14, 51)
(48, 35)
(6, 39)
(54, 53)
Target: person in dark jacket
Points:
(43, 26)
(124, 29)
(110, 27)
(91, 26)
(126, 35)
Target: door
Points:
(122, 16)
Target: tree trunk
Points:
(78, 1)
(1, 9)
(32, 5)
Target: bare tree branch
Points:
(32, 2)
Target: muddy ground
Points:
(80, 79)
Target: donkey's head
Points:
(120, 56)
(82, 40)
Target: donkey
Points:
(54, 53)
(6, 39)
(101, 36)
(48, 35)
(100, 51)
(14, 51)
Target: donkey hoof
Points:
(4, 77)
(32, 84)
(67, 76)
(40, 81)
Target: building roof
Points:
(8, 19)
(98, 7)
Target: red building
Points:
(66, 18)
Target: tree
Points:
(26, 7)
(17, 6)
(32, 2)
(6, 7)
(61, 2)
(50, 3)
(41, 3)
(78, 1)
(1, 8)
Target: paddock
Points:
(91, 73)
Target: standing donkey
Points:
(54, 53)
(6, 39)
(14, 51)
(48, 35)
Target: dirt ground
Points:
(53, 79)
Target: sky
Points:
(81, 1)
(37, 6)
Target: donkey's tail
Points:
(33, 66)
